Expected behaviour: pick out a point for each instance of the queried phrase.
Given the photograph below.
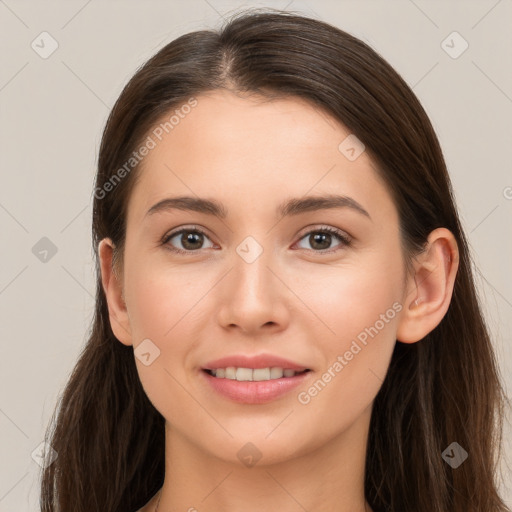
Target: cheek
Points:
(347, 299)
(359, 312)
(163, 307)
(160, 299)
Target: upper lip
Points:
(257, 361)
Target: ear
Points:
(429, 290)
(119, 320)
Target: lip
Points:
(257, 361)
(254, 392)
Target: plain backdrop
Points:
(53, 109)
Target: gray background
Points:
(53, 111)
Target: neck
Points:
(328, 478)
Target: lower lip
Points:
(254, 392)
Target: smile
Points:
(253, 374)
(241, 385)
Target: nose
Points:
(254, 297)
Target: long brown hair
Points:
(446, 388)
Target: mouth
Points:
(254, 385)
(253, 374)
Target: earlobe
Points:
(429, 290)
(113, 290)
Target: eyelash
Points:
(344, 239)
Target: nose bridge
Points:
(252, 276)
(252, 297)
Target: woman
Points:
(286, 315)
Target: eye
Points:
(321, 238)
(191, 240)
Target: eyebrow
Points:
(289, 207)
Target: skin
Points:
(295, 301)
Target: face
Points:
(321, 287)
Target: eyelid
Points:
(191, 227)
(324, 227)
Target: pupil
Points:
(322, 236)
(190, 238)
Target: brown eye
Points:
(321, 239)
(191, 240)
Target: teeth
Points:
(250, 374)
(261, 374)
(243, 374)
(276, 373)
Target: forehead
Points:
(247, 151)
